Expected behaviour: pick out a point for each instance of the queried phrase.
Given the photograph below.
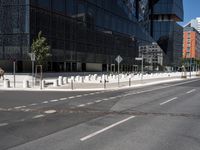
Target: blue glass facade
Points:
(167, 33)
(79, 31)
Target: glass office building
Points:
(86, 35)
(166, 31)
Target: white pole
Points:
(118, 73)
(14, 73)
(32, 73)
(142, 68)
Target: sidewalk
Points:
(126, 81)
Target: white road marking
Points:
(34, 104)
(50, 111)
(62, 99)
(105, 99)
(168, 101)
(71, 97)
(90, 103)
(111, 97)
(3, 109)
(26, 110)
(98, 101)
(106, 128)
(3, 124)
(79, 96)
(38, 116)
(82, 105)
(54, 100)
(191, 91)
(18, 107)
(45, 102)
(85, 94)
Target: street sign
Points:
(32, 55)
(119, 59)
(138, 58)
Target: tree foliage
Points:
(41, 49)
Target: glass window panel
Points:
(58, 5)
(44, 3)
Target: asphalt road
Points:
(157, 117)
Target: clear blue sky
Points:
(191, 10)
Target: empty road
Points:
(157, 117)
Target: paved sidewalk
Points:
(100, 86)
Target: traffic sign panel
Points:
(32, 55)
(138, 58)
(119, 59)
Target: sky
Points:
(191, 10)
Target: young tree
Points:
(40, 48)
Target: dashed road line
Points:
(169, 100)
(45, 102)
(19, 107)
(105, 99)
(50, 111)
(90, 103)
(79, 96)
(191, 91)
(98, 101)
(26, 110)
(71, 97)
(62, 99)
(33, 104)
(3, 109)
(105, 129)
(81, 105)
(38, 116)
(3, 124)
(54, 100)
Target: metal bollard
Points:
(104, 84)
(25, 84)
(65, 80)
(6, 83)
(60, 80)
(72, 85)
(129, 82)
(43, 83)
(55, 83)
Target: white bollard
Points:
(25, 84)
(6, 83)
(65, 80)
(55, 83)
(43, 83)
(82, 79)
(60, 80)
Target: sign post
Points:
(142, 63)
(118, 59)
(32, 55)
(14, 71)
